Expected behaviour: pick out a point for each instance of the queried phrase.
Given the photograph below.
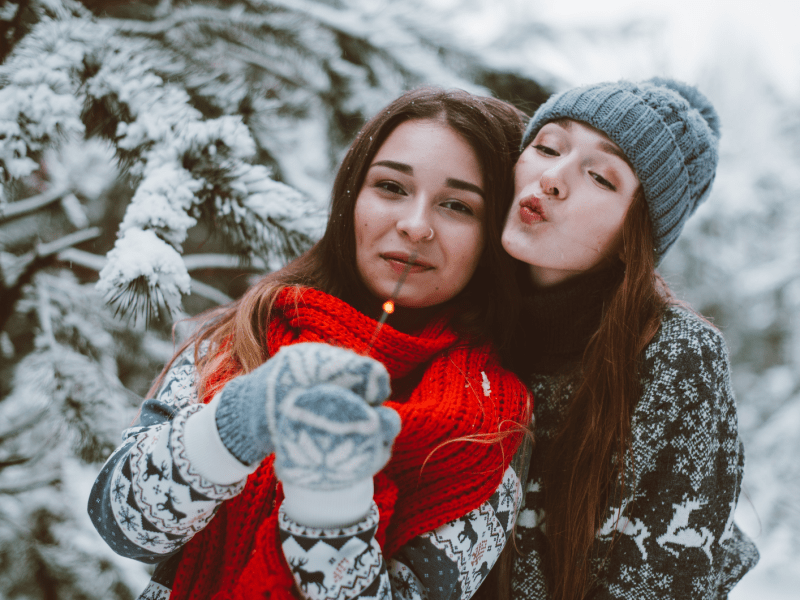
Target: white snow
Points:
(141, 253)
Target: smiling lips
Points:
(399, 261)
(531, 211)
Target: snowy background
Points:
(155, 154)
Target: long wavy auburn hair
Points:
(233, 337)
(585, 463)
(584, 467)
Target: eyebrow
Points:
(607, 147)
(457, 184)
(402, 167)
(613, 149)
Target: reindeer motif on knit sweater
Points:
(361, 556)
(469, 532)
(680, 533)
(153, 469)
(169, 505)
(481, 574)
(307, 577)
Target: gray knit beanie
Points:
(668, 130)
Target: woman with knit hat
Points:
(267, 464)
(637, 465)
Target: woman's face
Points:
(423, 193)
(572, 189)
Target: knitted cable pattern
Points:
(432, 477)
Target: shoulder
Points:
(685, 371)
(178, 384)
(686, 344)
(680, 324)
(686, 417)
(686, 376)
(178, 390)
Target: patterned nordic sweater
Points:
(678, 539)
(149, 500)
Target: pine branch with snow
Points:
(63, 413)
(188, 166)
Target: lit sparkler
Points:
(388, 306)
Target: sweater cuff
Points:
(326, 509)
(206, 452)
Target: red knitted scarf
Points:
(462, 392)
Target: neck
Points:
(409, 320)
(559, 319)
(404, 319)
(548, 278)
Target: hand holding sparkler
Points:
(317, 407)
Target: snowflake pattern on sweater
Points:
(149, 500)
(678, 539)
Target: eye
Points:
(392, 187)
(603, 181)
(546, 150)
(458, 206)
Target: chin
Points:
(518, 246)
(415, 304)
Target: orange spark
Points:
(388, 306)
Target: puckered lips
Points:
(400, 261)
(531, 210)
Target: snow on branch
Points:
(38, 105)
(76, 75)
(144, 277)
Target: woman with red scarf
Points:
(297, 446)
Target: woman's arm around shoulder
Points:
(674, 526)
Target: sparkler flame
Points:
(388, 306)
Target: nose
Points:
(553, 182)
(415, 221)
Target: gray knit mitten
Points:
(318, 408)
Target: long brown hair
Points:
(584, 465)
(235, 335)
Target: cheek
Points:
(524, 173)
(361, 230)
(472, 252)
(361, 224)
(612, 229)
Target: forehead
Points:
(433, 147)
(420, 133)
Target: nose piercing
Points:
(429, 237)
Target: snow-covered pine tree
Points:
(141, 142)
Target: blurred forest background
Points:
(154, 155)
